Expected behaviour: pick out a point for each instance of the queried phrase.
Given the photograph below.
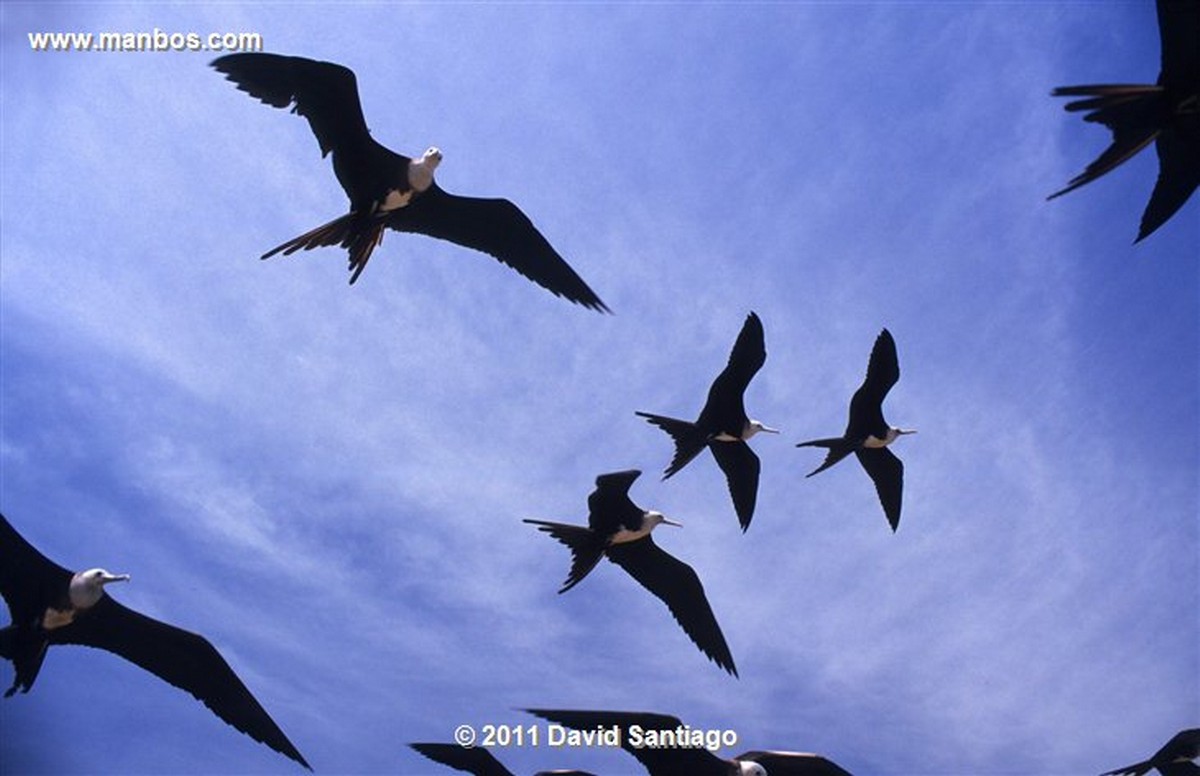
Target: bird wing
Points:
(866, 406)
(27, 577)
(741, 467)
(676, 584)
(1178, 148)
(793, 763)
(725, 408)
(1179, 31)
(470, 759)
(323, 92)
(667, 761)
(688, 437)
(184, 659)
(609, 507)
(498, 228)
(887, 472)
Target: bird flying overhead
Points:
(723, 426)
(868, 434)
(662, 744)
(1166, 113)
(476, 760)
(389, 190)
(1174, 759)
(620, 529)
(51, 605)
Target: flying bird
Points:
(620, 529)
(51, 605)
(868, 434)
(477, 761)
(1167, 113)
(665, 747)
(723, 426)
(1174, 759)
(387, 189)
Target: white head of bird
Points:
(420, 172)
(892, 435)
(753, 427)
(88, 586)
(649, 520)
(751, 768)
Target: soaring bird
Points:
(51, 605)
(1174, 759)
(723, 426)
(387, 189)
(1167, 113)
(620, 529)
(665, 747)
(477, 761)
(868, 434)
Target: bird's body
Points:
(680, 760)
(390, 190)
(867, 434)
(1175, 758)
(723, 426)
(1166, 113)
(619, 529)
(51, 605)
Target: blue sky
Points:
(328, 482)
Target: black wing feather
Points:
(1178, 149)
(325, 93)
(741, 467)
(725, 409)
(866, 406)
(498, 228)
(676, 584)
(887, 472)
(28, 579)
(1179, 31)
(187, 660)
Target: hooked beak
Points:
(672, 522)
(770, 430)
(900, 431)
(114, 578)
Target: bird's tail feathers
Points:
(586, 548)
(349, 231)
(1131, 111)
(26, 650)
(689, 440)
(839, 448)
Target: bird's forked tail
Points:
(586, 548)
(689, 440)
(839, 448)
(350, 231)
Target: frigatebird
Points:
(664, 746)
(868, 434)
(723, 426)
(1166, 112)
(619, 529)
(390, 190)
(477, 760)
(1173, 759)
(51, 605)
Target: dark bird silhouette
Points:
(662, 744)
(621, 530)
(477, 761)
(723, 426)
(1167, 113)
(389, 190)
(868, 434)
(1174, 759)
(51, 605)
